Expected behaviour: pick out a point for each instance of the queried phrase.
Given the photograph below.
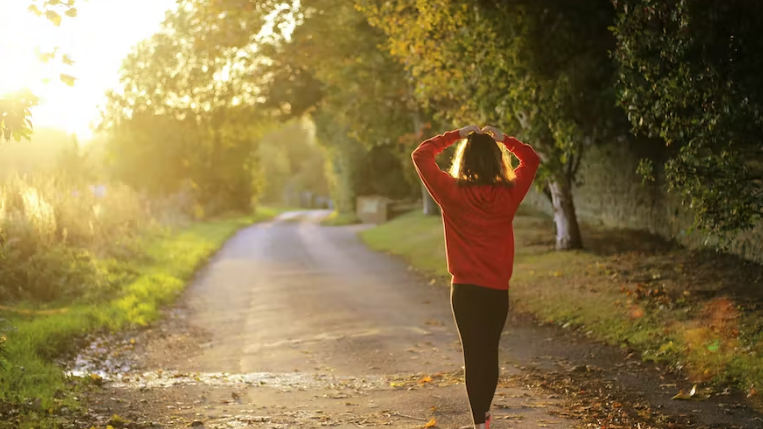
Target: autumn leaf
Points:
(71, 13)
(431, 423)
(66, 59)
(35, 10)
(45, 57)
(67, 79)
(53, 17)
(753, 392)
(691, 396)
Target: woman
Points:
(479, 198)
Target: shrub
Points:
(52, 229)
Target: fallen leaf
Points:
(691, 396)
(431, 423)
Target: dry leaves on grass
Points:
(599, 402)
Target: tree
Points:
(295, 163)
(537, 68)
(186, 114)
(690, 75)
(15, 108)
(330, 67)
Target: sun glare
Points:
(21, 35)
(97, 40)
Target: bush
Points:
(53, 229)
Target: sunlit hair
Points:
(479, 160)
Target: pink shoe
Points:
(485, 425)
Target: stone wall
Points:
(611, 194)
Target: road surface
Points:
(297, 325)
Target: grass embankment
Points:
(693, 310)
(340, 219)
(155, 276)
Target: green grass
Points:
(340, 219)
(627, 289)
(169, 260)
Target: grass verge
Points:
(30, 380)
(696, 311)
(340, 219)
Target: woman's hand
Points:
(465, 131)
(495, 132)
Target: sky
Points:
(97, 40)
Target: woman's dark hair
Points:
(479, 160)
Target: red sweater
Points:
(479, 234)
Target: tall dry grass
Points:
(53, 229)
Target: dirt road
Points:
(297, 325)
(294, 325)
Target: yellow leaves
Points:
(53, 17)
(68, 79)
(35, 10)
(431, 423)
(425, 379)
(693, 395)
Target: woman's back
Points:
(477, 218)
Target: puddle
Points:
(167, 379)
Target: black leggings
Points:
(480, 314)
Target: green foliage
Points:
(342, 158)
(333, 54)
(331, 67)
(52, 228)
(15, 115)
(15, 108)
(539, 69)
(295, 163)
(185, 120)
(690, 75)
(159, 269)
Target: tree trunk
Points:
(567, 229)
(430, 206)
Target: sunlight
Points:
(20, 34)
(97, 40)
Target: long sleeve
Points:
(438, 183)
(529, 161)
